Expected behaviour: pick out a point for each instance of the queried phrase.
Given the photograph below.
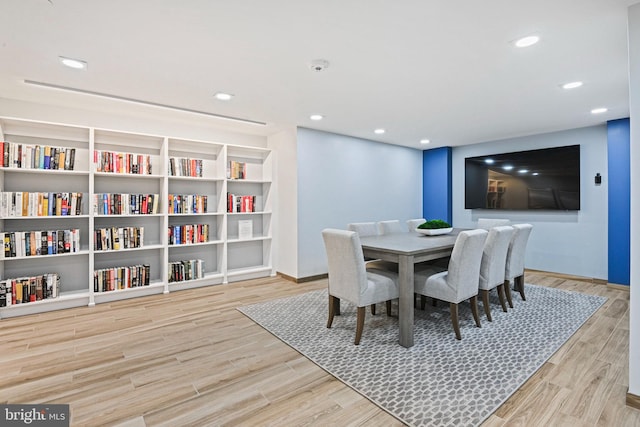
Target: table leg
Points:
(406, 301)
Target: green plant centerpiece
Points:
(434, 224)
(434, 227)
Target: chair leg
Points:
(434, 302)
(507, 291)
(519, 281)
(501, 296)
(359, 324)
(485, 303)
(453, 308)
(373, 309)
(423, 301)
(389, 308)
(334, 306)
(474, 310)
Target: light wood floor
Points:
(190, 359)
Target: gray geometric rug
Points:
(440, 381)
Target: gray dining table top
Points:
(408, 243)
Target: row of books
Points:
(29, 156)
(236, 203)
(188, 234)
(39, 243)
(125, 204)
(183, 166)
(28, 289)
(31, 203)
(116, 238)
(187, 203)
(117, 278)
(236, 170)
(125, 163)
(192, 269)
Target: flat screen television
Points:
(545, 179)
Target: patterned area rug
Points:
(439, 381)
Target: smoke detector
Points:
(319, 65)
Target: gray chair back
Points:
(387, 227)
(464, 265)
(494, 257)
(412, 224)
(364, 228)
(347, 272)
(517, 249)
(489, 223)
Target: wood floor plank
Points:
(190, 358)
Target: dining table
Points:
(407, 249)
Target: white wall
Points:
(343, 179)
(563, 242)
(634, 104)
(285, 230)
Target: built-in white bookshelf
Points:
(187, 180)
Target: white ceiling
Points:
(438, 69)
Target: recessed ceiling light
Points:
(523, 170)
(379, 131)
(424, 141)
(73, 63)
(535, 174)
(223, 96)
(599, 110)
(507, 167)
(316, 117)
(571, 85)
(527, 41)
(489, 161)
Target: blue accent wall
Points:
(619, 187)
(436, 184)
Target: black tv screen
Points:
(546, 179)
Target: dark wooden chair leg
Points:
(423, 301)
(485, 303)
(507, 291)
(389, 308)
(474, 310)
(519, 281)
(373, 309)
(501, 297)
(334, 303)
(453, 307)
(360, 324)
(434, 302)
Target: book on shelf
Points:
(240, 203)
(40, 242)
(184, 166)
(30, 156)
(122, 163)
(236, 170)
(187, 203)
(188, 234)
(124, 204)
(35, 204)
(22, 290)
(180, 271)
(117, 238)
(118, 278)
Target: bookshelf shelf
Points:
(113, 162)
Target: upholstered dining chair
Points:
(351, 281)
(364, 228)
(460, 282)
(514, 269)
(392, 226)
(412, 224)
(489, 223)
(371, 229)
(492, 267)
